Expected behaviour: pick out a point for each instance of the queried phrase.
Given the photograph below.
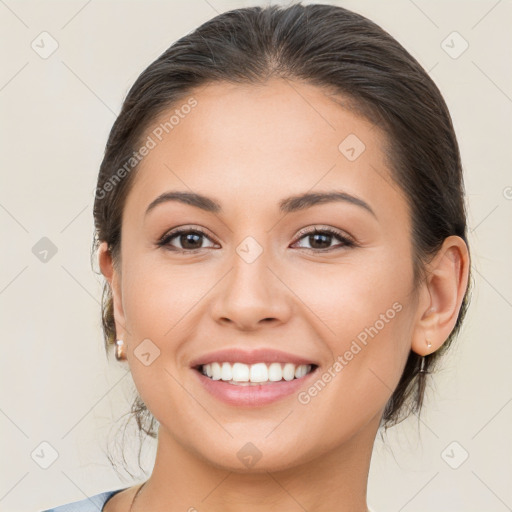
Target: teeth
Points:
(226, 373)
(258, 372)
(254, 374)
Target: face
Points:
(256, 276)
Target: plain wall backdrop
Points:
(66, 67)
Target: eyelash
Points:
(347, 242)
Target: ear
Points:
(114, 279)
(441, 296)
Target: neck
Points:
(336, 480)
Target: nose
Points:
(252, 295)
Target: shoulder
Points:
(92, 504)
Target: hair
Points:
(341, 52)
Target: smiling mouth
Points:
(255, 374)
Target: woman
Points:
(280, 221)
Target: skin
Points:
(248, 147)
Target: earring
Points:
(422, 364)
(120, 354)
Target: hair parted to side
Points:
(344, 53)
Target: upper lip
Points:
(261, 355)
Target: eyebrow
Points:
(288, 205)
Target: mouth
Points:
(259, 384)
(257, 374)
(253, 378)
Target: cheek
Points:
(159, 294)
(363, 311)
(365, 318)
(158, 302)
(350, 295)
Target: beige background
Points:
(57, 385)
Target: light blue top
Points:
(92, 504)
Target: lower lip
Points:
(253, 396)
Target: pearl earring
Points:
(120, 354)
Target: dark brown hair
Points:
(343, 53)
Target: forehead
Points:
(253, 144)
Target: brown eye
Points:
(189, 240)
(320, 239)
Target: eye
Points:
(190, 239)
(323, 238)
